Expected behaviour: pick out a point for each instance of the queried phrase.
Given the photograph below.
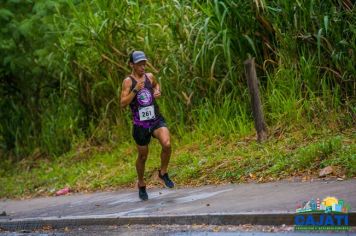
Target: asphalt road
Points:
(282, 196)
(233, 204)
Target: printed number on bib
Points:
(146, 113)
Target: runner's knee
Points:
(142, 157)
(166, 145)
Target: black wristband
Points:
(135, 91)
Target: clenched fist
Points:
(156, 93)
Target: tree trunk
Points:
(257, 112)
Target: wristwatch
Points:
(135, 90)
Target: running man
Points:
(139, 90)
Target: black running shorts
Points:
(142, 136)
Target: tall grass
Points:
(304, 50)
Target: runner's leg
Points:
(140, 164)
(162, 134)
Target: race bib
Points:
(147, 113)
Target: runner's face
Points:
(139, 67)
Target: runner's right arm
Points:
(127, 95)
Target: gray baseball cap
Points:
(138, 56)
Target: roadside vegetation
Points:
(63, 62)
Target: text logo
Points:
(328, 214)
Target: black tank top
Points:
(145, 111)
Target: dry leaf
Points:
(326, 171)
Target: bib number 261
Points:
(146, 113)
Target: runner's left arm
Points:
(155, 85)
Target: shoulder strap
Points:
(133, 82)
(148, 79)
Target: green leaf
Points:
(6, 14)
(251, 43)
(14, 1)
(326, 24)
(318, 38)
(25, 27)
(7, 60)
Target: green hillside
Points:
(63, 63)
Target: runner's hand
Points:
(156, 93)
(140, 85)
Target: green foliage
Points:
(62, 64)
(30, 72)
(196, 160)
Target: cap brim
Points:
(139, 60)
